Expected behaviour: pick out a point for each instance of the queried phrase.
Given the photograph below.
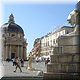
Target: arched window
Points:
(12, 35)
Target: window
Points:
(48, 43)
(12, 35)
(67, 32)
(53, 41)
(56, 40)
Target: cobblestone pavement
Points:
(9, 68)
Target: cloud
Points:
(78, 0)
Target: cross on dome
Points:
(11, 19)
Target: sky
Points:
(38, 19)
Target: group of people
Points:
(16, 62)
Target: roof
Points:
(11, 26)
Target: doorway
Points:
(12, 55)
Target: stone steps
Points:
(58, 58)
(23, 78)
(65, 67)
(61, 76)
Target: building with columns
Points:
(15, 45)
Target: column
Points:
(18, 52)
(10, 52)
(6, 52)
(21, 52)
(24, 51)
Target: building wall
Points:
(36, 47)
(49, 41)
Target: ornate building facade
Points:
(15, 44)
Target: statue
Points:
(72, 18)
(30, 62)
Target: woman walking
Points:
(17, 64)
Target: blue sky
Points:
(38, 19)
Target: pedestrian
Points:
(22, 63)
(47, 60)
(14, 61)
(37, 59)
(17, 64)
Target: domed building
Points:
(15, 44)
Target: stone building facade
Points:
(49, 41)
(37, 47)
(15, 45)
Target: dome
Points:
(11, 26)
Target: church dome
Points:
(11, 26)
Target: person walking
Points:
(14, 62)
(47, 60)
(22, 63)
(17, 64)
